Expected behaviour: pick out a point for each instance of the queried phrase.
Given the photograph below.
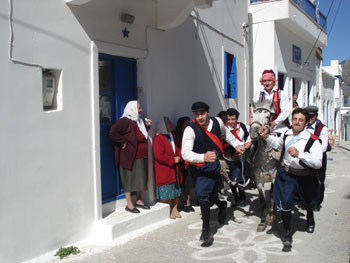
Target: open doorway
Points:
(117, 86)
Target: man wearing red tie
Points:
(240, 131)
(279, 121)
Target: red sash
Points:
(235, 133)
(212, 137)
(276, 99)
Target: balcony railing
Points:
(309, 8)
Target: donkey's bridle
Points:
(256, 122)
(262, 108)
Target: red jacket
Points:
(123, 131)
(164, 161)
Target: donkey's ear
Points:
(253, 105)
(272, 105)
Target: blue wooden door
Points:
(117, 86)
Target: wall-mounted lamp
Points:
(127, 18)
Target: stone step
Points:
(121, 226)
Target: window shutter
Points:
(233, 79)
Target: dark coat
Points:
(123, 131)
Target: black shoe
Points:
(143, 206)
(188, 209)
(310, 225)
(287, 241)
(206, 236)
(317, 208)
(134, 210)
(222, 212)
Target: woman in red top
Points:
(130, 135)
(166, 165)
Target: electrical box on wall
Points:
(51, 90)
(49, 84)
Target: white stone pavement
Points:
(237, 240)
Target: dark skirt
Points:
(135, 179)
(289, 190)
(188, 180)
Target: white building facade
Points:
(286, 36)
(67, 70)
(331, 105)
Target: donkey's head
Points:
(260, 117)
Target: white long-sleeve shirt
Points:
(284, 105)
(312, 159)
(240, 131)
(189, 136)
(323, 135)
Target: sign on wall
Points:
(297, 54)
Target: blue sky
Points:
(338, 47)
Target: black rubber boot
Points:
(235, 196)
(310, 221)
(287, 241)
(287, 235)
(241, 194)
(206, 235)
(222, 211)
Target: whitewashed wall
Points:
(46, 158)
(276, 26)
(186, 63)
(49, 162)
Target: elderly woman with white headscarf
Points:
(166, 165)
(130, 135)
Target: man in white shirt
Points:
(279, 121)
(296, 180)
(202, 149)
(241, 132)
(316, 127)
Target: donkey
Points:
(264, 161)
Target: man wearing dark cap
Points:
(316, 127)
(279, 120)
(202, 150)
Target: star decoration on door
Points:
(125, 32)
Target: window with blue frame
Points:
(230, 75)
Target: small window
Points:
(230, 76)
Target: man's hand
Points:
(264, 132)
(209, 157)
(240, 149)
(247, 145)
(177, 159)
(148, 122)
(293, 152)
(124, 145)
(273, 124)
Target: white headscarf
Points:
(131, 113)
(162, 128)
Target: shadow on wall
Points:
(42, 31)
(192, 72)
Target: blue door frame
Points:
(117, 86)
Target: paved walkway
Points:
(238, 241)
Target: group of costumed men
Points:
(300, 179)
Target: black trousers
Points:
(322, 177)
